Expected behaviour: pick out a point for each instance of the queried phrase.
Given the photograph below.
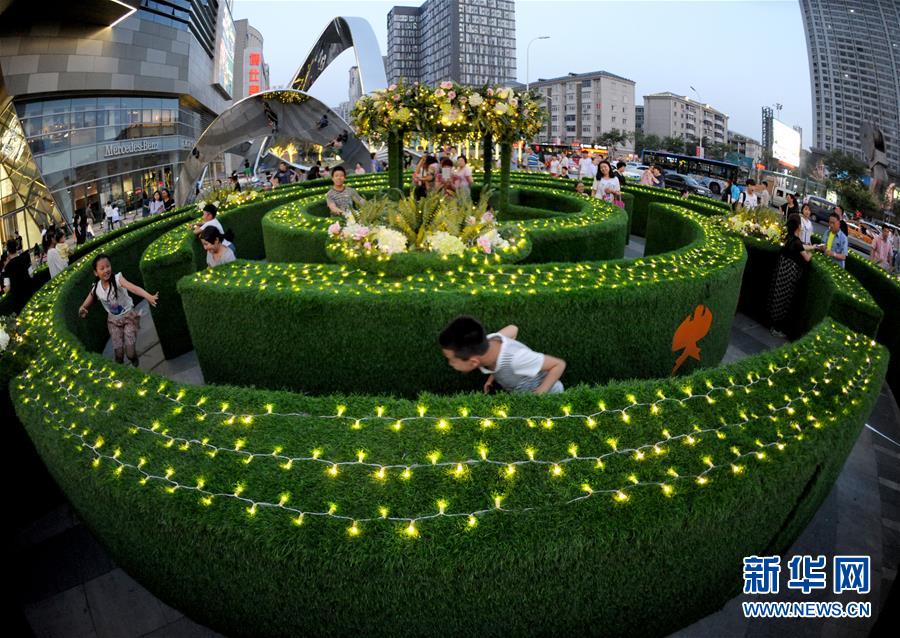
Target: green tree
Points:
(844, 167)
(673, 144)
(613, 139)
(716, 151)
(854, 196)
(646, 142)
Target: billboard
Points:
(224, 66)
(785, 144)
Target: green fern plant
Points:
(374, 211)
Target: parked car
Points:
(820, 208)
(859, 238)
(680, 182)
(634, 171)
(779, 196)
(872, 230)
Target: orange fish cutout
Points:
(694, 327)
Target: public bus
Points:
(711, 173)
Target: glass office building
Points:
(111, 105)
(91, 150)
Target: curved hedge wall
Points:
(42, 273)
(561, 227)
(262, 512)
(344, 319)
(178, 253)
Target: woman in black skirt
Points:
(793, 262)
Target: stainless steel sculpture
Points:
(278, 113)
(873, 147)
(342, 34)
(293, 114)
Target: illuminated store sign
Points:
(127, 148)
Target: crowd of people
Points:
(465, 343)
(447, 172)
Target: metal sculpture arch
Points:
(292, 112)
(342, 34)
(270, 113)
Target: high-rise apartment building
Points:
(470, 41)
(669, 115)
(583, 106)
(854, 66)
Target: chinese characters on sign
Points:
(253, 73)
(807, 573)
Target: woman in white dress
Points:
(606, 185)
(806, 226)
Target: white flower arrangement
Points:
(389, 241)
(4, 340)
(446, 244)
(446, 227)
(756, 222)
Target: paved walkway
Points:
(71, 587)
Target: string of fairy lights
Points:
(75, 377)
(443, 422)
(619, 494)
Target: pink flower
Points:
(334, 229)
(487, 218)
(484, 243)
(439, 93)
(367, 245)
(490, 91)
(470, 220)
(451, 95)
(396, 98)
(446, 85)
(361, 233)
(392, 87)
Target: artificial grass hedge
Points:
(561, 227)
(826, 290)
(343, 318)
(241, 565)
(179, 253)
(644, 196)
(885, 290)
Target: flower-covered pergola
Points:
(445, 113)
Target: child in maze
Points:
(512, 364)
(122, 320)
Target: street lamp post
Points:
(702, 115)
(528, 58)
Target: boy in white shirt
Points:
(512, 364)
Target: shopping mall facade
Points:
(111, 97)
